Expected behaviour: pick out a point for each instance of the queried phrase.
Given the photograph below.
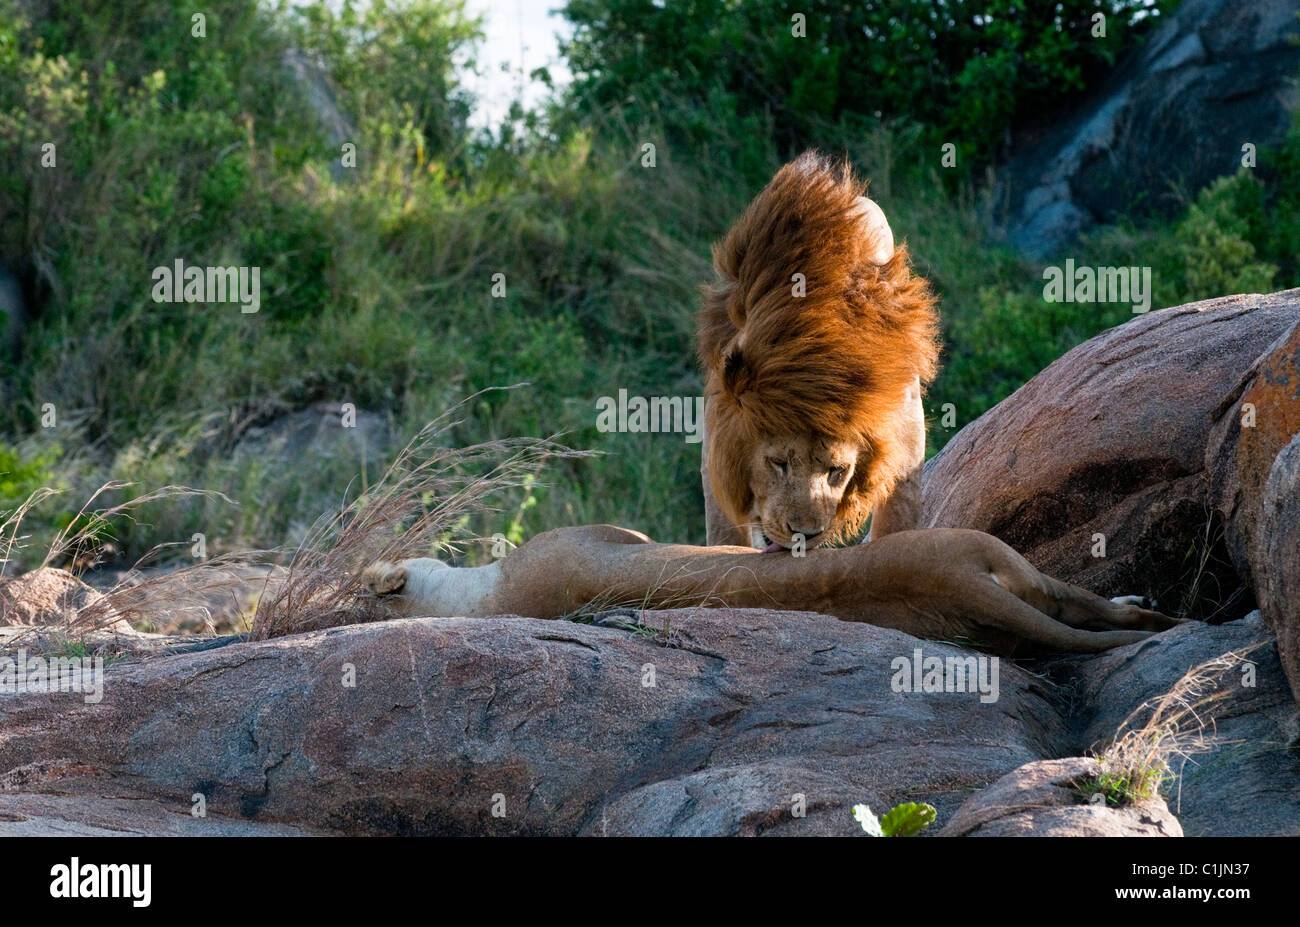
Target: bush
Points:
(965, 70)
(22, 474)
(377, 282)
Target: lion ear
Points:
(878, 231)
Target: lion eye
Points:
(781, 466)
(837, 475)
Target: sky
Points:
(520, 36)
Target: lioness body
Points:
(949, 584)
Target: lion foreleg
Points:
(901, 511)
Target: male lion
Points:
(816, 342)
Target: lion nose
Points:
(808, 533)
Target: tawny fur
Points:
(834, 364)
(941, 584)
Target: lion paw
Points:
(384, 578)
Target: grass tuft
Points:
(1161, 732)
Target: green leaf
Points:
(907, 820)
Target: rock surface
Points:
(1253, 460)
(325, 430)
(1174, 116)
(1134, 407)
(549, 720)
(1277, 567)
(1041, 800)
(24, 815)
(752, 714)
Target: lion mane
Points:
(833, 363)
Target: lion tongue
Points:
(773, 548)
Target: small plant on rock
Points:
(906, 820)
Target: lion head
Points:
(810, 338)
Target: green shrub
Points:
(376, 279)
(965, 70)
(906, 820)
(22, 474)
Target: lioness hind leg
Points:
(1067, 603)
(1001, 608)
(1083, 609)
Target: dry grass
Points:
(81, 542)
(81, 539)
(411, 511)
(1208, 588)
(1162, 731)
(186, 599)
(416, 508)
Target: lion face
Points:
(797, 484)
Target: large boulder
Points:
(695, 722)
(1277, 567)
(1107, 446)
(691, 721)
(1216, 74)
(1253, 460)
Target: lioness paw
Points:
(384, 578)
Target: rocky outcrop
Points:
(734, 722)
(1217, 74)
(710, 721)
(1277, 567)
(325, 430)
(1108, 446)
(34, 815)
(1042, 800)
(1253, 460)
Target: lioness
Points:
(946, 584)
(816, 342)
